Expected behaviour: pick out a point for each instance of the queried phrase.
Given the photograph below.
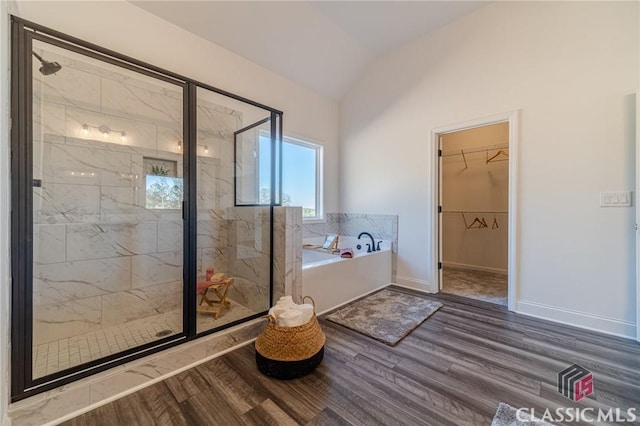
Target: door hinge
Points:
(439, 265)
(439, 209)
(439, 153)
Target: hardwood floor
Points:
(453, 369)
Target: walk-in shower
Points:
(127, 210)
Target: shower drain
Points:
(163, 333)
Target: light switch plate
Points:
(615, 199)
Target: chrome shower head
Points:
(47, 67)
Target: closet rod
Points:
(475, 211)
(474, 150)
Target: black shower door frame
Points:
(23, 33)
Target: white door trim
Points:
(635, 201)
(512, 262)
(439, 203)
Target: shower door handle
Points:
(183, 211)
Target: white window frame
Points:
(319, 217)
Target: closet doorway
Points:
(475, 194)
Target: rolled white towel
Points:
(307, 312)
(285, 301)
(277, 310)
(283, 304)
(290, 318)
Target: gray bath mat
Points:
(506, 415)
(386, 316)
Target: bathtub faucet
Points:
(373, 244)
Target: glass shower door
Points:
(128, 236)
(233, 238)
(107, 209)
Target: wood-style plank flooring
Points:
(453, 369)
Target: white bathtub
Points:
(333, 281)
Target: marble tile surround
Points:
(249, 259)
(100, 257)
(380, 226)
(93, 239)
(287, 245)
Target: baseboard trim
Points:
(474, 268)
(579, 319)
(419, 290)
(352, 299)
(415, 284)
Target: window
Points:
(301, 176)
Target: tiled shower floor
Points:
(51, 357)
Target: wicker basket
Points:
(290, 352)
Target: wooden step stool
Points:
(219, 284)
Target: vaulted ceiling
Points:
(324, 45)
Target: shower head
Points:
(47, 67)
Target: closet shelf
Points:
(474, 150)
(476, 211)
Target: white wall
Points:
(569, 68)
(5, 279)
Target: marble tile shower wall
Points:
(100, 257)
(287, 258)
(380, 226)
(248, 258)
